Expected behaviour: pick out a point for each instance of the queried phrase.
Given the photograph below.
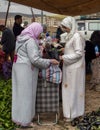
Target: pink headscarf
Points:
(33, 30)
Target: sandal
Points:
(30, 126)
(68, 120)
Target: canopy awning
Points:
(65, 7)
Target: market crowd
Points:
(32, 54)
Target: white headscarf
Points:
(63, 37)
(70, 23)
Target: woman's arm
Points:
(78, 52)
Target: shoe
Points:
(68, 120)
(30, 126)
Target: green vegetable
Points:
(5, 105)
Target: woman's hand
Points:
(62, 50)
(60, 57)
(54, 62)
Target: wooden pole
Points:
(7, 12)
(33, 16)
(42, 17)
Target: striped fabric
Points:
(52, 74)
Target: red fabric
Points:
(2, 59)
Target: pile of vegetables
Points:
(90, 121)
(5, 105)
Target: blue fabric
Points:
(52, 74)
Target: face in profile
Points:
(65, 29)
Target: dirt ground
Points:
(92, 103)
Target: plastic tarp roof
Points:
(65, 7)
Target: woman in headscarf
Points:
(25, 74)
(73, 84)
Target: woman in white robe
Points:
(73, 84)
(25, 74)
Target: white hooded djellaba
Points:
(25, 75)
(73, 84)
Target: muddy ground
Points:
(92, 103)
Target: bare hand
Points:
(61, 50)
(60, 57)
(54, 62)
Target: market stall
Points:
(66, 7)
